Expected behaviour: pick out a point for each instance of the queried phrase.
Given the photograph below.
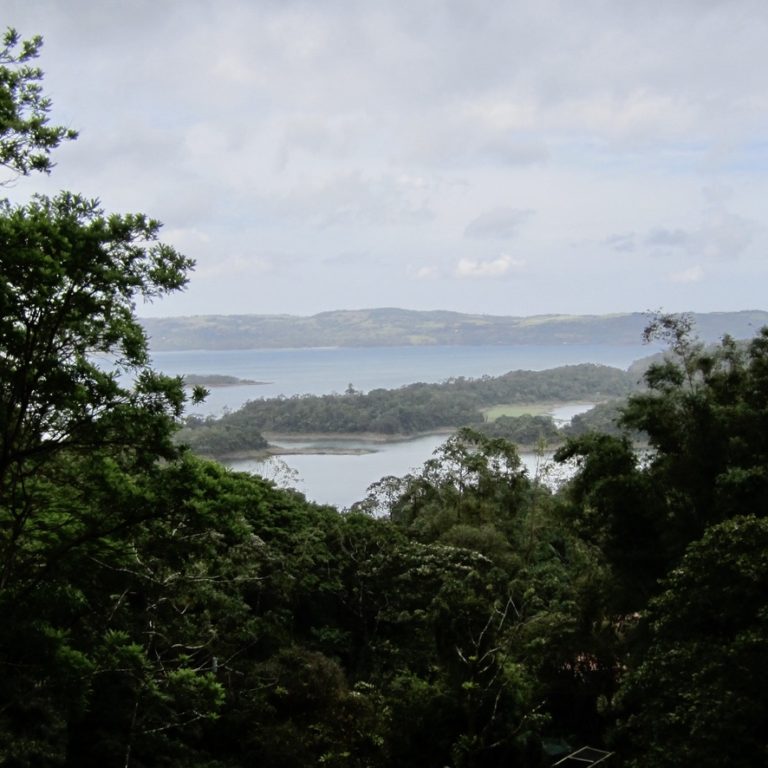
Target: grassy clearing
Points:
(516, 409)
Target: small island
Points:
(216, 380)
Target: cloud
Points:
(354, 199)
(423, 272)
(488, 267)
(720, 235)
(510, 150)
(621, 243)
(348, 259)
(185, 238)
(459, 136)
(670, 238)
(693, 274)
(334, 136)
(723, 236)
(726, 236)
(240, 265)
(498, 224)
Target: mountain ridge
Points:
(391, 326)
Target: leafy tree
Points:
(703, 416)
(523, 430)
(698, 696)
(26, 139)
(617, 506)
(472, 480)
(82, 445)
(69, 277)
(220, 437)
(603, 418)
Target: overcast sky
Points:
(522, 157)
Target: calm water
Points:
(341, 480)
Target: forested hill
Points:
(401, 327)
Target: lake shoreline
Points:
(294, 443)
(374, 439)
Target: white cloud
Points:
(499, 223)
(622, 243)
(668, 238)
(693, 274)
(725, 236)
(186, 239)
(423, 272)
(331, 200)
(497, 267)
(238, 265)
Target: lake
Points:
(342, 479)
(324, 371)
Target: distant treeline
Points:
(407, 410)
(529, 430)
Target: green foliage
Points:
(545, 621)
(705, 420)
(703, 416)
(26, 139)
(87, 477)
(473, 479)
(699, 695)
(603, 418)
(523, 430)
(617, 508)
(69, 278)
(220, 437)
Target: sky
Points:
(500, 157)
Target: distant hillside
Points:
(401, 327)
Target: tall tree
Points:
(69, 279)
(84, 425)
(703, 416)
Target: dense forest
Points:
(160, 610)
(409, 410)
